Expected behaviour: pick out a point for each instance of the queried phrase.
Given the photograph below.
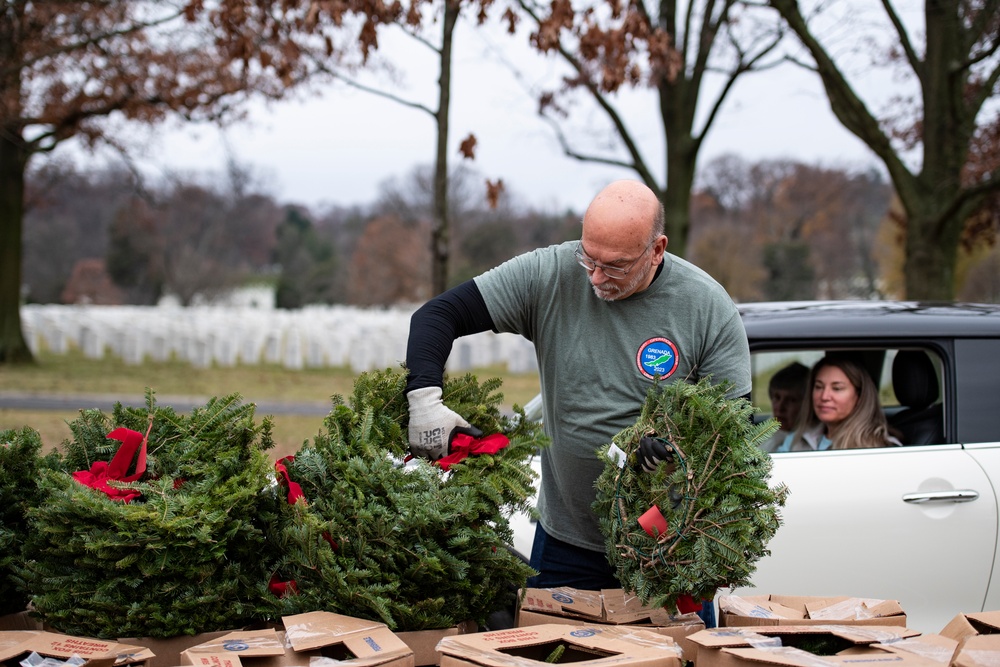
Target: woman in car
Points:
(845, 410)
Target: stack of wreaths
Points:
(415, 545)
(154, 523)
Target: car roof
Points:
(852, 320)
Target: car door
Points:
(913, 524)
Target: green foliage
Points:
(720, 511)
(557, 654)
(20, 468)
(308, 263)
(189, 555)
(406, 544)
(790, 274)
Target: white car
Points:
(918, 523)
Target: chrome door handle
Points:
(956, 496)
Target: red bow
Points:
(294, 488)
(462, 445)
(282, 589)
(687, 604)
(101, 471)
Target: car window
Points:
(909, 382)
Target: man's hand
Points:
(432, 424)
(651, 453)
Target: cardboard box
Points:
(424, 643)
(807, 646)
(15, 645)
(242, 648)
(19, 621)
(740, 611)
(978, 651)
(964, 626)
(596, 645)
(352, 641)
(167, 651)
(572, 606)
(938, 648)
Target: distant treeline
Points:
(774, 229)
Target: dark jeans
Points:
(559, 563)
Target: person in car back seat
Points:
(787, 391)
(845, 413)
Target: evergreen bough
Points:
(189, 555)
(720, 512)
(21, 466)
(410, 545)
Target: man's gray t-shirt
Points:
(597, 361)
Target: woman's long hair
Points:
(866, 426)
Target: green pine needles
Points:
(720, 512)
(21, 467)
(407, 544)
(188, 555)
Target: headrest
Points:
(914, 379)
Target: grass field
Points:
(74, 375)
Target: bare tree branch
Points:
(753, 64)
(322, 67)
(569, 151)
(904, 39)
(849, 109)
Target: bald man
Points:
(607, 315)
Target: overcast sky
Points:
(339, 145)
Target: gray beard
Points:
(614, 292)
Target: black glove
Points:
(652, 451)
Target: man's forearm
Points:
(434, 327)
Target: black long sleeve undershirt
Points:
(460, 311)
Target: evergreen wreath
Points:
(715, 510)
(409, 545)
(21, 465)
(184, 553)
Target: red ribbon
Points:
(282, 588)
(463, 445)
(101, 472)
(687, 604)
(652, 522)
(294, 488)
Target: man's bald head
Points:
(623, 227)
(625, 215)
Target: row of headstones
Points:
(313, 337)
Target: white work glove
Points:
(432, 424)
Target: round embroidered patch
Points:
(657, 356)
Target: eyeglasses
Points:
(613, 272)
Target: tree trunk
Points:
(13, 161)
(678, 101)
(934, 224)
(440, 233)
(928, 273)
(682, 159)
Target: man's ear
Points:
(660, 246)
